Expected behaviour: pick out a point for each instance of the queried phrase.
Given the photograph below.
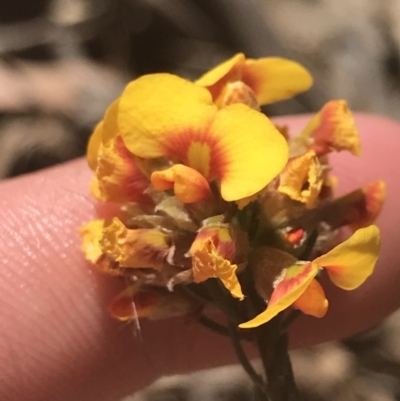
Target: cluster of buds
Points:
(211, 194)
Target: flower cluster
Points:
(210, 190)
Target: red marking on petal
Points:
(118, 178)
(221, 239)
(364, 212)
(293, 279)
(375, 194)
(178, 145)
(135, 182)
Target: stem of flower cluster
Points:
(242, 357)
(273, 349)
(272, 343)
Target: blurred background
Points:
(63, 61)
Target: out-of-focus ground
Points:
(63, 61)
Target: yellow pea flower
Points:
(270, 79)
(348, 265)
(162, 115)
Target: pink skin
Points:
(56, 338)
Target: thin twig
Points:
(214, 326)
(242, 357)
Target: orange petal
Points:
(302, 179)
(189, 185)
(333, 129)
(369, 209)
(91, 234)
(144, 248)
(228, 71)
(289, 286)
(313, 301)
(134, 304)
(152, 303)
(294, 236)
(118, 178)
(212, 252)
(353, 261)
(274, 78)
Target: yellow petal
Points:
(248, 152)
(236, 145)
(270, 78)
(333, 129)
(212, 252)
(353, 261)
(91, 234)
(302, 179)
(228, 71)
(189, 185)
(274, 78)
(144, 248)
(155, 108)
(94, 146)
(290, 285)
(110, 128)
(118, 178)
(313, 301)
(102, 134)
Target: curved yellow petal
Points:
(228, 71)
(91, 234)
(144, 248)
(110, 121)
(118, 179)
(274, 78)
(105, 131)
(248, 152)
(94, 147)
(212, 252)
(189, 185)
(292, 283)
(352, 262)
(333, 129)
(156, 107)
(302, 179)
(313, 301)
